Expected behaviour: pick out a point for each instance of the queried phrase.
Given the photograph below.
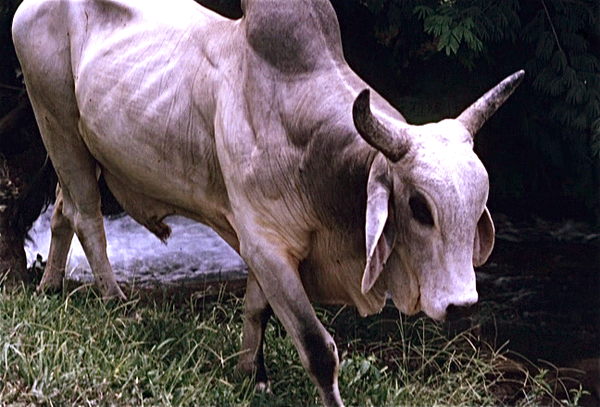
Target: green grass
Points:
(71, 349)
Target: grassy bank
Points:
(71, 349)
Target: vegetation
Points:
(72, 350)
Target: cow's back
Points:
(136, 81)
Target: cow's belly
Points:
(149, 211)
(184, 181)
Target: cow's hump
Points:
(294, 36)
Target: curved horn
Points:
(392, 144)
(476, 115)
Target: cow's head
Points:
(427, 224)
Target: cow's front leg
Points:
(62, 235)
(277, 275)
(256, 315)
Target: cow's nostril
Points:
(456, 312)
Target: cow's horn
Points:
(476, 115)
(393, 145)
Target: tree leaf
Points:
(559, 61)
(545, 46)
(576, 94)
(423, 12)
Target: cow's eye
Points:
(420, 210)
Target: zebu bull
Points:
(258, 128)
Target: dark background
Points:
(431, 59)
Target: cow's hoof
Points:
(247, 368)
(114, 294)
(49, 286)
(263, 387)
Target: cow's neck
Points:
(299, 92)
(308, 114)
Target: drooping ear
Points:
(484, 239)
(380, 228)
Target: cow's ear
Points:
(380, 228)
(484, 239)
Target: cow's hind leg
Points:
(62, 235)
(66, 220)
(78, 206)
(81, 208)
(47, 68)
(256, 315)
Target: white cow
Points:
(258, 128)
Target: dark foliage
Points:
(9, 83)
(28, 178)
